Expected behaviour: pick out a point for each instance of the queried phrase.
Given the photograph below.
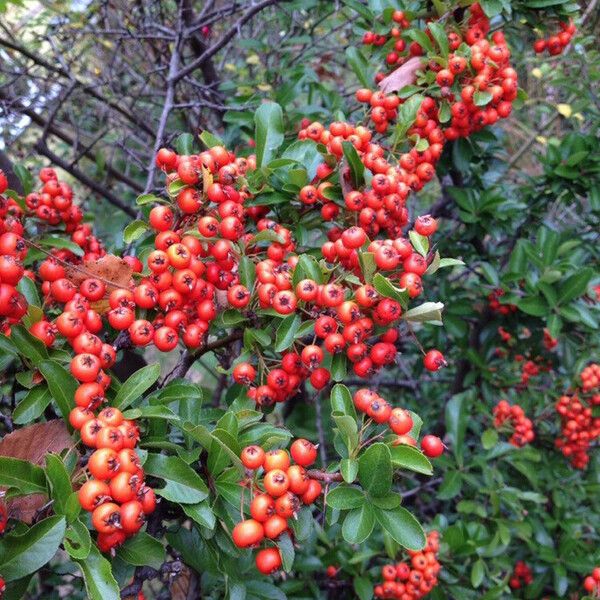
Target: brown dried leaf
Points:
(33, 443)
(110, 269)
(402, 76)
(185, 585)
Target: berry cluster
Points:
(404, 581)
(579, 427)
(474, 87)
(116, 495)
(399, 420)
(521, 426)
(591, 584)
(495, 305)
(276, 498)
(549, 342)
(522, 575)
(555, 44)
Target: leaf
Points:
(201, 513)
(66, 244)
(286, 332)
(477, 573)
(358, 524)
(489, 439)
(28, 345)
(419, 242)
(60, 483)
(341, 400)
(363, 588)
(29, 290)
(307, 268)
(407, 457)
(428, 312)
(402, 526)
(286, 549)
(183, 484)
(457, 415)
(575, 285)
(359, 64)
(100, 583)
(357, 169)
(375, 469)
(134, 231)
(32, 405)
(400, 77)
(440, 36)
(144, 199)
(62, 385)
(184, 144)
(387, 289)
(136, 385)
(269, 132)
(247, 272)
(141, 550)
(533, 305)
(349, 469)
(345, 497)
(367, 265)
(22, 475)
(481, 98)
(23, 554)
(78, 541)
(210, 140)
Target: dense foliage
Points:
(327, 326)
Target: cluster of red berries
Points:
(496, 307)
(590, 378)
(579, 427)
(276, 498)
(404, 581)
(555, 44)
(549, 342)
(481, 78)
(591, 583)
(521, 426)
(399, 420)
(116, 494)
(522, 575)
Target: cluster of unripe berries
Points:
(278, 491)
(514, 417)
(412, 579)
(521, 575)
(495, 305)
(579, 428)
(591, 584)
(460, 83)
(115, 494)
(556, 43)
(399, 420)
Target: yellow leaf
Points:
(537, 73)
(229, 66)
(264, 87)
(565, 110)
(253, 59)
(541, 140)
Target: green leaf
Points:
(477, 573)
(60, 483)
(367, 265)
(345, 497)
(25, 177)
(481, 98)
(78, 541)
(286, 548)
(408, 457)
(134, 231)
(286, 332)
(489, 439)
(574, 286)
(533, 305)
(307, 268)
(201, 513)
(420, 242)
(28, 288)
(28, 345)
(428, 312)
(402, 526)
(358, 524)
(375, 469)
(23, 554)
(359, 65)
(32, 405)
(457, 415)
(421, 38)
(141, 550)
(388, 290)
(66, 244)
(440, 36)
(210, 140)
(100, 583)
(136, 385)
(363, 588)
(22, 475)
(269, 132)
(247, 272)
(341, 400)
(61, 383)
(144, 199)
(184, 144)
(349, 469)
(357, 169)
(183, 484)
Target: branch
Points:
(227, 36)
(324, 476)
